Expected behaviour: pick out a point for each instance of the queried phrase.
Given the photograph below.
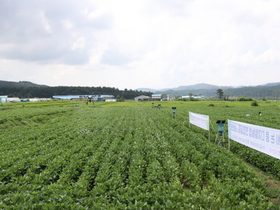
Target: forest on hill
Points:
(48, 92)
(19, 84)
(257, 92)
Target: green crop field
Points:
(130, 155)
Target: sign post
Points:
(200, 120)
(262, 139)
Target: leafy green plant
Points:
(254, 103)
(118, 157)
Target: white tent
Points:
(13, 100)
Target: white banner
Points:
(263, 139)
(199, 120)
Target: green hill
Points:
(19, 84)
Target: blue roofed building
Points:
(93, 97)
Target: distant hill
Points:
(199, 86)
(269, 90)
(257, 92)
(272, 84)
(19, 84)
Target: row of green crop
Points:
(121, 158)
(214, 161)
(12, 115)
(269, 118)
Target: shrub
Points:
(254, 103)
(244, 99)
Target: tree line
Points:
(48, 92)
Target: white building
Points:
(110, 100)
(156, 97)
(3, 99)
(13, 100)
(196, 97)
(142, 98)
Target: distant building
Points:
(105, 97)
(6, 99)
(3, 99)
(14, 100)
(110, 100)
(170, 98)
(39, 99)
(196, 97)
(142, 98)
(69, 97)
(93, 97)
(156, 97)
(24, 100)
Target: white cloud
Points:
(45, 23)
(132, 44)
(79, 44)
(67, 24)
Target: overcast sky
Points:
(140, 43)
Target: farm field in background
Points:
(128, 155)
